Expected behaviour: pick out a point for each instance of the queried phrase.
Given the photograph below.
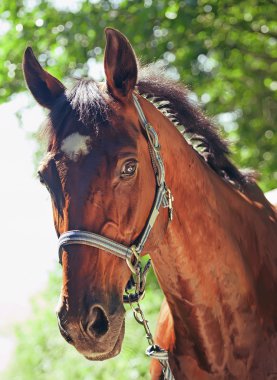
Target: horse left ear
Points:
(44, 87)
(120, 64)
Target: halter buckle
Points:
(133, 267)
(170, 203)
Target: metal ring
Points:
(133, 297)
(138, 316)
(133, 267)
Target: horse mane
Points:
(173, 100)
(86, 103)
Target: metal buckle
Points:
(155, 351)
(139, 282)
(133, 267)
(170, 203)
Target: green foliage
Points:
(224, 50)
(43, 354)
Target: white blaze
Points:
(76, 145)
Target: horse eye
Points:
(128, 169)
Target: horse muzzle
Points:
(98, 335)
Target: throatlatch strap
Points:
(154, 144)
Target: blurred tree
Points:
(225, 51)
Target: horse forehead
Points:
(117, 132)
(76, 146)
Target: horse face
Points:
(100, 177)
(101, 194)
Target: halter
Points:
(163, 197)
(132, 253)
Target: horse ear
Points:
(44, 87)
(120, 64)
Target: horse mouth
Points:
(111, 353)
(95, 350)
(64, 333)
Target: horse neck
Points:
(210, 251)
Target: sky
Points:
(29, 244)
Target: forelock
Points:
(83, 109)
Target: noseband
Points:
(163, 197)
(132, 253)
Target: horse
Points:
(215, 258)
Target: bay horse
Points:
(216, 261)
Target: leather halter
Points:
(163, 197)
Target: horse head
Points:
(99, 173)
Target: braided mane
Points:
(173, 100)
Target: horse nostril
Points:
(99, 324)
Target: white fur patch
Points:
(76, 145)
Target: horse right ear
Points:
(44, 87)
(120, 64)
